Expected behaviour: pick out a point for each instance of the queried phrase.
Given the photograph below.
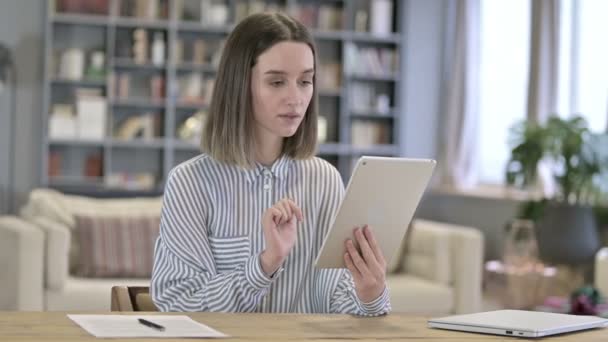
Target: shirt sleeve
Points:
(184, 276)
(344, 298)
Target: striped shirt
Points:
(207, 256)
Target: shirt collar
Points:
(278, 169)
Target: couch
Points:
(438, 270)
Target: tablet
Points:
(382, 193)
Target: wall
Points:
(21, 28)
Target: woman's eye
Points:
(276, 83)
(306, 82)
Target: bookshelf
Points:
(142, 71)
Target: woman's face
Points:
(281, 87)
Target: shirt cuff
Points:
(255, 274)
(378, 306)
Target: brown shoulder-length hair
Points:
(228, 135)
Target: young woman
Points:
(243, 222)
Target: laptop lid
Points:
(518, 323)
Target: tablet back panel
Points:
(383, 193)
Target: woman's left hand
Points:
(368, 267)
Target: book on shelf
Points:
(369, 134)
(322, 17)
(91, 109)
(93, 165)
(365, 98)
(329, 76)
(140, 126)
(370, 61)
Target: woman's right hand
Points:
(279, 224)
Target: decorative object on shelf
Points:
(329, 76)
(140, 46)
(370, 61)
(199, 52)
(191, 88)
(72, 64)
(140, 126)
(62, 122)
(520, 246)
(91, 115)
(96, 69)
(361, 21)
(158, 49)
(368, 134)
(123, 85)
(191, 129)
(131, 181)
(83, 6)
(329, 18)
(383, 104)
(565, 221)
(381, 17)
(54, 167)
(146, 9)
(93, 166)
(157, 88)
(322, 129)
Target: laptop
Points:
(518, 323)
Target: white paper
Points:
(114, 326)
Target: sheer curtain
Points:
(459, 152)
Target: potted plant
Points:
(566, 225)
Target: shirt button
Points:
(266, 186)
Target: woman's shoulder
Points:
(318, 167)
(193, 167)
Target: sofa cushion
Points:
(116, 246)
(81, 294)
(60, 209)
(412, 294)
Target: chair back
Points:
(132, 298)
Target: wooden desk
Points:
(55, 326)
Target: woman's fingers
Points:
(296, 209)
(358, 261)
(348, 261)
(366, 250)
(373, 243)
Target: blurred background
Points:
(100, 99)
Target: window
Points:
(504, 48)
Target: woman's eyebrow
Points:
(279, 72)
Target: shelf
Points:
(366, 37)
(194, 26)
(380, 150)
(76, 181)
(196, 67)
(329, 35)
(156, 143)
(331, 148)
(80, 19)
(330, 92)
(125, 63)
(375, 78)
(75, 142)
(127, 22)
(191, 106)
(186, 146)
(139, 103)
(78, 83)
(372, 115)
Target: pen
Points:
(151, 324)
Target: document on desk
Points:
(125, 326)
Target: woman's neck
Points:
(268, 149)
